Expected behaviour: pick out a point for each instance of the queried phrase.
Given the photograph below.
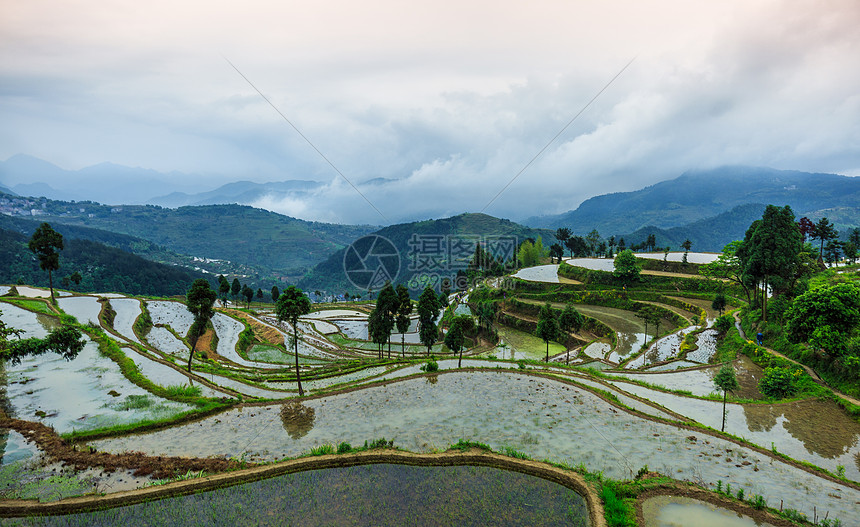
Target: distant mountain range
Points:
(710, 208)
(241, 192)
(698, 195)
(109, 183)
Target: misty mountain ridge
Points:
(701, 194)
(240, 193)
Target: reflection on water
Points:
(543, 418)
(822, 427)
(297, 419)
(671, 511)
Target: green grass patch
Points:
(31, 304)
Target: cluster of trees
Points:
(393, 307)
(593, 244)
(772, 265)
(530, 252)
(550, 327)
(236, 289)
(772, 257)
(830, 248)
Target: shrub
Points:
(778, 383)
(343, 448)
(431, 366)
(724, 323)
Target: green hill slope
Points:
(103, 268)
(457, 236)
(268, 246)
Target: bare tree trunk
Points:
(296, 339)
(191, 355)
(51, 286)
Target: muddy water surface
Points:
(671, 511)
(543, 418)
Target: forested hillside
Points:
(102, 268)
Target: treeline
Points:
(101, 268)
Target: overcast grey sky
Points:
(450, 99)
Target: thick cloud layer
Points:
(447, 101)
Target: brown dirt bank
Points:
(82, 458)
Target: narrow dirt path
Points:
(815, 377)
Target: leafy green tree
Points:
(832, 251)
(248, 293)
(235, 289)
(726, 381)
(563, 234)
(404, 309)
(486, 312)
(570, 320)
(578, 246)
(530, 252)
(456, 336)
(651, 242)
(850, 250)
(719, 303)
(223, 289)
(275, 293)
(854, 237)
(76, 278)
(45, 243)
(686, 246)
(728, 266)
(388, 303)
(836, 307)
(621, 245)
(625, 266)
(823, 231)
(428, 309)
(376, 329)
(556, 251)
(292, 304)
(769, 252)
(200, 301)
(65, 340)
(259, 295)
(592, 238)
(547, 326)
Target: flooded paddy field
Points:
(504, 405)
(817, 431)
(85, 393)
(668, 511)
(84, 308)
(543, 418)
(456, 495)
(539, 273)
(127, 311)
(528, 345)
